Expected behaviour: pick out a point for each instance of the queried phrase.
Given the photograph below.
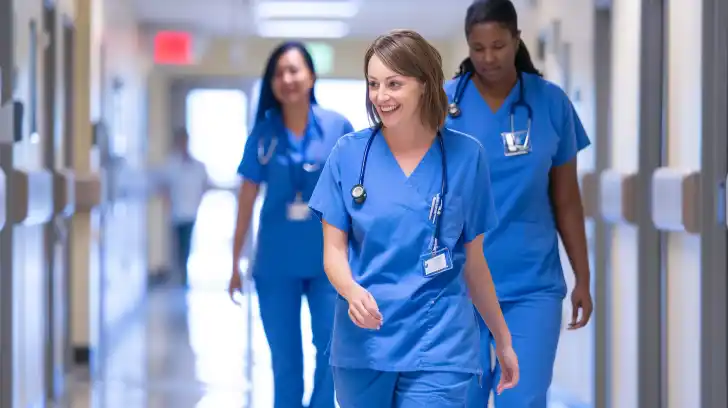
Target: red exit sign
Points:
(172, 48)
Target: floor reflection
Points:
(189, 349)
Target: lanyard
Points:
(296, 170)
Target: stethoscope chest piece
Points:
(454, 110)
(359, 194)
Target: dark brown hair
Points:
(408, 54)
(503, 12)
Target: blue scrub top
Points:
(428, 321)
(523, 251)
(290, 247)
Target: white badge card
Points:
(298, 210)
(436, 262)
(516, 143)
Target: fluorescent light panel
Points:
(306, 9)
(302, 29)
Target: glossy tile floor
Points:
(187, 350)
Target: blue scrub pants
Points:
(280, 310)
(535, 327)
(363, 388)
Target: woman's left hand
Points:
(580, 300)
(510, 372)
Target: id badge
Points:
(434, 263)
(516, 143)
(298, 210)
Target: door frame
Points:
(68, 38)
(602, 231)
(7, 69)
(49, 26)
(650, 288)
(714, 166)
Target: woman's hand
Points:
(363, 309)
(580, 300)
(509, 368)
(235, 285)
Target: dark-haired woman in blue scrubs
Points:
(286, 150)
(532, 135)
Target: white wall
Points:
(684, 132)
(125, 112)
(573, 372)
(626, 16)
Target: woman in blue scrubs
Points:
(286, 150)
(536, 193)
(404, 206)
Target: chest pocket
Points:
(513, 176)
(452, 221)
(385, 219)
(278, 169)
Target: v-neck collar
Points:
(312, 131)
(425, 158)
(505, 107)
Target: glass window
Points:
(218, 129)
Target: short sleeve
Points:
(480, 212)
(250, 167)
(327, 200)
(348, 127)
(571, 133)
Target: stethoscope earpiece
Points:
(359, 194)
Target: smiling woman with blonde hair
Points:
(404, 205)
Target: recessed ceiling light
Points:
(302, 29)
(306, 9)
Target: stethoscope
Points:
(454, 108)
(265, 156)
(359, 193)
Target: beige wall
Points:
(112, 24)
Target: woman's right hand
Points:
(235, 285)
(363, 309)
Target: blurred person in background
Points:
(532, 135)
(285, 151)
(183, 181)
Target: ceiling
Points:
(432, 18)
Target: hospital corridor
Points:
(166, 167)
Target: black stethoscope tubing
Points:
(359, 194)
(294, 169)
(454, 108)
